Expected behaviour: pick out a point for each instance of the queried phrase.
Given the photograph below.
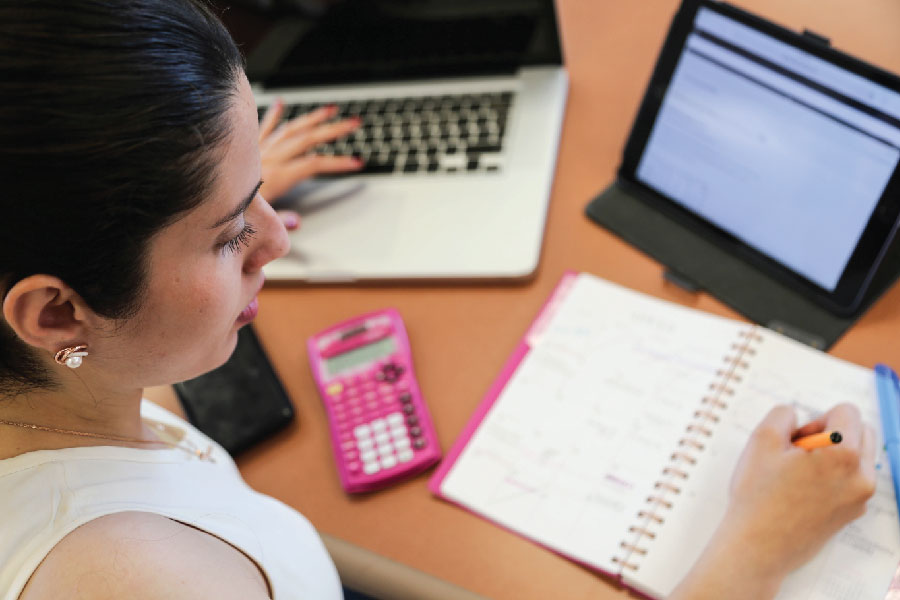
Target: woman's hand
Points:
(785, 504)
(286, 151)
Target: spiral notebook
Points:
(612, 432)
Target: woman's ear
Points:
(46, 313)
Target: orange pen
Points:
(819, 440)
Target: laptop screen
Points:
(312, 42)
(773, 145)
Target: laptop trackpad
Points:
(315, 195)
(343, 220)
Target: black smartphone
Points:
(240, 403)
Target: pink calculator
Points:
(380, 427)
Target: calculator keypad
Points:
(376, 419)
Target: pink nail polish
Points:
(291, 222)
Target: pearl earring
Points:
(71, 356)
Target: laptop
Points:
(462, 104)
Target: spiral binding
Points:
(683, 457)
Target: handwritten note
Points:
(576, 440)
(624, 398)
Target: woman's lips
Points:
(249, 312)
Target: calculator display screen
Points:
(360, 356)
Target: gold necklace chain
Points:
(156, 425)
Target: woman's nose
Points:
(272, 240)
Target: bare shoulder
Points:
(143, 556)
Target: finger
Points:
(816, 426)
(304, 142)
(846, 419)
(312, 165)
(290, 218)
(307, 121)
(867, 453)
(271, 119)
(333, 131)
(779, 423)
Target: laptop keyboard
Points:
(425, 134)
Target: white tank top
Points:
(46, 494)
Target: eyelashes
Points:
(242, 240)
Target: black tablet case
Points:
(695, 262)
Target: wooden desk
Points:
(462, 335)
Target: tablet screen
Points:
(785, 151)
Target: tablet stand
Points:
(696, 263)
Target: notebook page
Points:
(572, 446)
(859, 562)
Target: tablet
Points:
(776, 146)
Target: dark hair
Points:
(112, 118)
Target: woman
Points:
(132, 244)
(130, 150)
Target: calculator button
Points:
(415, 431)
(385, 449)
(394, 419)
(389, 372)
(370, 468)
(334, 389)
(353, 391)
(405, 398)
(419, 443)
(409, 409)
(370, 396)
(385, 388)
(412, 420)
(366, 444)
(353, 467)
(362, 431)
(402, 443)
(368, 455)
(356, 411)
(372, 406)
(382, 438)
(398, 432)
(405, 455)
(388, 461)
(348, 445)
(350, 455)
(402, 385)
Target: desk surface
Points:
(461, 335)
